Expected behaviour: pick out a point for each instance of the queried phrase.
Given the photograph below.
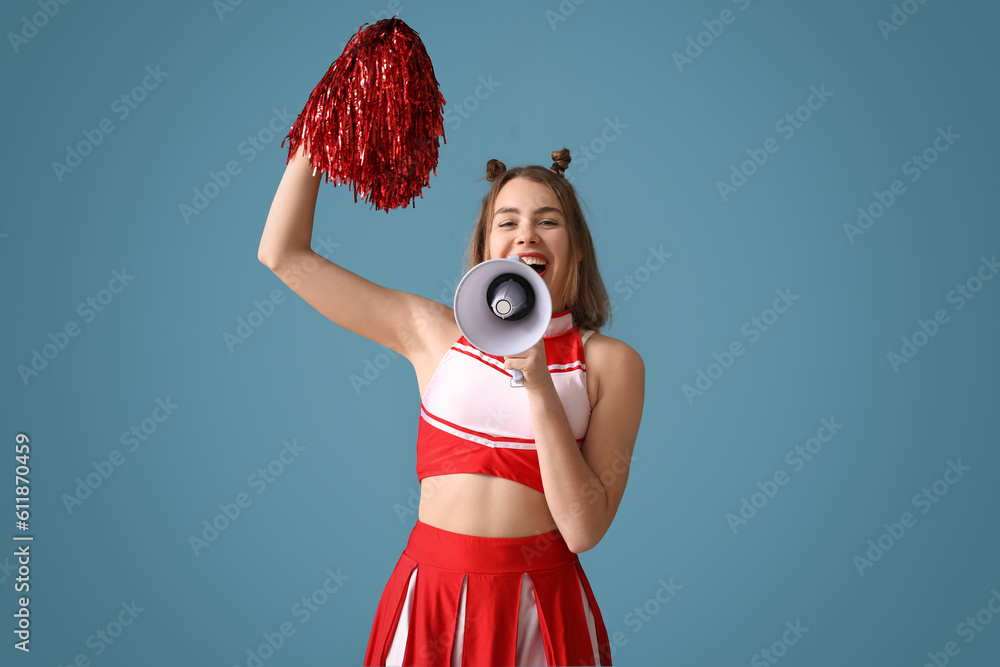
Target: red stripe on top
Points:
(442, 453)
(470, 431)
(483, 361)
(560, 349)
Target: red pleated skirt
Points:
(466, 601)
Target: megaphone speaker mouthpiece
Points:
(510, 297)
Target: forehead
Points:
(525, 195)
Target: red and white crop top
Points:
(473, 421)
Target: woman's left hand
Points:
(532, 364)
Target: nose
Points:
(526, 234)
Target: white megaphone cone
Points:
(502, 306)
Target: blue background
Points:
(561, 73)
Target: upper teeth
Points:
(533, 260)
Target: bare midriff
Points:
(483, 505)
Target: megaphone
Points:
(502, 306)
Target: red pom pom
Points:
(375, 117)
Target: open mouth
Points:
(536, 263)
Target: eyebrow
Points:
(514, 209)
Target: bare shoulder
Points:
(615, 364)
(605, 350)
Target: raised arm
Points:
(399, 320)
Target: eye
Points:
(549, 222)
(505, 224)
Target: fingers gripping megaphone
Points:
(502, 306)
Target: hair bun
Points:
(560, 160)
(494, 170)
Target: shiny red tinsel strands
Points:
(374, 118)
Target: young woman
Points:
(515, 482)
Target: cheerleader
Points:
(514, 482)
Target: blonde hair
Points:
(584, 292)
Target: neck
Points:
(560, 322)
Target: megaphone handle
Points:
(518, 378)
